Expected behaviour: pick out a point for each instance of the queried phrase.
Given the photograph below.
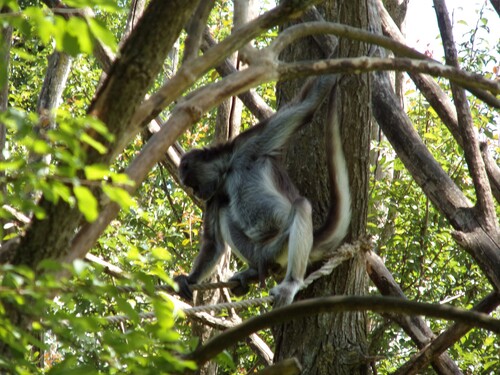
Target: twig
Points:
(338, 304)
(358, 65)
(446, 339)
(414, 326)
(484, 205)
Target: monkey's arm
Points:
(270, 136)
(212, 248)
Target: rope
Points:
(167, 288)
(343, 253)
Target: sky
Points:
(422, 32)
(421, 26)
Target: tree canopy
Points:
(98, 101)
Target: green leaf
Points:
(96, 171)
(43, 24)
(62, 190)
(161, 253)
(12, 165)
(79, 29)
(87, 204)
(40, 147)
(101, 32)
(98, 146)
(122, 179)
(120, 196)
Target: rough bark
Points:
(482, 243)
(5, 41)
(130, 76)
(414, 326)
(336, 343)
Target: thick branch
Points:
(446, 339)
(257, 106)
(485, 206)
(413, 325)
(189, 73)
(483, 245)
(369, 64)
(338, 304)
(438, 99)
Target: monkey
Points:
(252, 205)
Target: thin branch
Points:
(482, 244)
(492, 169)
(439, 100)
(190, 72)
(446, 339)
(255, 104)
(195, 29)
(338, 304)
(327, 43)
(291, 34)
(368, 64)
(413, 325)
(485, 206)
(109, 268)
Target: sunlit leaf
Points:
(101, 32)
(79, 29)
(96, 171)
(160, 253)
(119, 195)
(87, 204)
(98, 146)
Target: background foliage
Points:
(156, 235)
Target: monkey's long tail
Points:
(335, 228)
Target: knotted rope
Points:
(343, 253)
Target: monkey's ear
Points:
(184, 289)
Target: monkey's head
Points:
(201, 171)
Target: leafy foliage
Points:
(158, 231)
(71, 330)
(414, 239)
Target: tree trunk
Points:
(141, 56)
(141, 59)
(5, 42)
(332, 343)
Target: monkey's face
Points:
(199, 173)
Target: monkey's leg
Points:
(299, 246)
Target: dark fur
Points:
(252, 204)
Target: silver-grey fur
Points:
(252, 205)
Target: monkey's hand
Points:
(245, 278)
(285, 292)
(184, 289)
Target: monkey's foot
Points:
(285, 292)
